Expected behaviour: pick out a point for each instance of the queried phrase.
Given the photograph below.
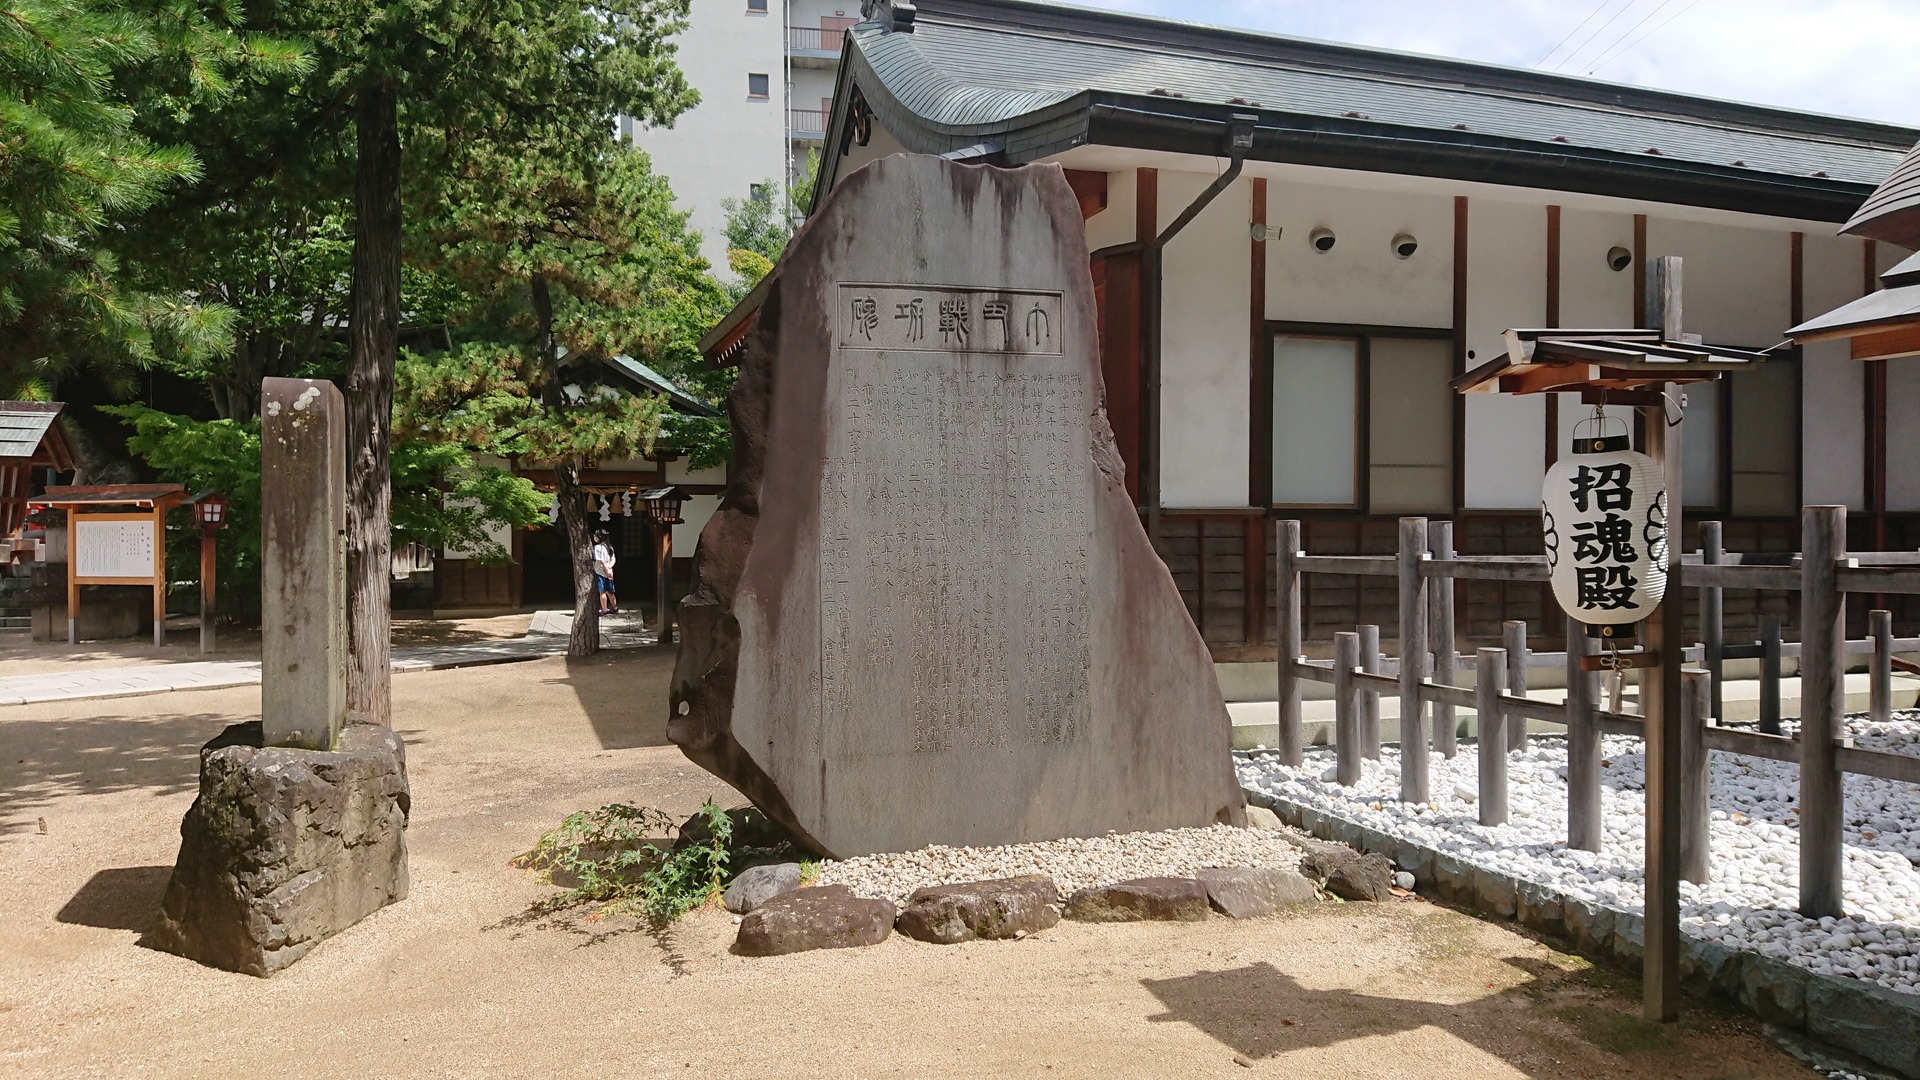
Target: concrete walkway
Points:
(547, 636)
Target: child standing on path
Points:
(603, 560)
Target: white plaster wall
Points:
(1832, 383)
(727, 142)
(1204, 412)
(1114, 225)
(1592, 294)
(1506, 288)
(694, 514)
(1737, 282)
(679, 473)
(1360, 280)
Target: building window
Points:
(756, 192)
(757, 86)
(756, 7)
(1363, 421)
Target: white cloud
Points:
(1846, 57)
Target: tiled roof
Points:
(1028, 76)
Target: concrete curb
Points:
(1871, 1021)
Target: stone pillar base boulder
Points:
(285, 848)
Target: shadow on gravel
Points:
(123, 898)
(1555, 1024)
(624, 694)
(42, 760)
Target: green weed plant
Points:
(614, 863)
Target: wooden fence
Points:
(1426, 569)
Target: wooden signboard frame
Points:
(91, 505)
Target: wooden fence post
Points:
(1515, 633)
(1770, 675)
(1440, 637)
(1583, 744)
(1346, 721)
(1696, 701)
(1369, 697)
(1413, 660)
(1660, 691)
(1880, 677)
(1713, 616)
(1490, 677)
(1823, 640)
(1286, 586)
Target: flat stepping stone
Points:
(825, 917)
(758, 884)
(1248, 892)
(1141, 900)
(993, 910)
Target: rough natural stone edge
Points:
(1856, 1016)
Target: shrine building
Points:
(1297, 244)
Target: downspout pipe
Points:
(1239, 132)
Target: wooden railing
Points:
(1425, 569)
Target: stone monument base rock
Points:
(1007, 907)
(285, 848)
(824, 917)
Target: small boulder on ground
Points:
(1142, 899)
(758, 884)
(1259, 817)
(1248, 892)
(824, 917)
(1348, 874)
(1003, 908)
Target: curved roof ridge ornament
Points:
(895, 15)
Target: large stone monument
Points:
(926, 611)
(300, 827)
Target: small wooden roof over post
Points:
(30, 438)
(1884, 324)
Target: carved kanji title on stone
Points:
(926, 611)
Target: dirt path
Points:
(451, 983)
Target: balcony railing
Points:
(815, 39)
(802, 122)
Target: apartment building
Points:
(765, 71)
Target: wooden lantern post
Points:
(210, 509)
(1644, 368)
(663, 507)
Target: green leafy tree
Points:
(574, 256)
(73, 75)
(442, 498)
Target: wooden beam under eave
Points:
(1090, 188)
(1887, 344)
(1544, 377)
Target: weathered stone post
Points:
(303, 562)
(300, 828)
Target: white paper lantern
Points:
(1605, 517)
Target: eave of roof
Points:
(1892, 212)
(1040, 78)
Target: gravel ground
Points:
(1754, 835)
(1071, 863)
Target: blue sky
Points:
(1848, 57)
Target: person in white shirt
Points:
(603, 560)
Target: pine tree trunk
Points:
(373, 341)
(585, 638)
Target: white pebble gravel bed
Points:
(1073, 863)
(1755, 842)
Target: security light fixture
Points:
(1619, 258)
(1404, 245)
(1321, 239)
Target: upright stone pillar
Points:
(303, 562)
(300, 828)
